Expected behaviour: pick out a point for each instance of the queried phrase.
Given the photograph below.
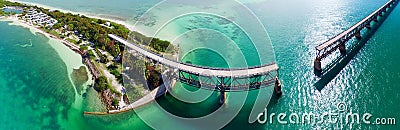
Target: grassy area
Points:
(91, 54)
(103, 84)
(116, 69)
(72, 41)
(54, 33)
(101, 68)
(134, 92)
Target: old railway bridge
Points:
(339, 41)
(218, 79)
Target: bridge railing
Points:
(338, 41)
(197, 66)
(357, 26)
(221, 79)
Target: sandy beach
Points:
(71, 59)
(130, 27)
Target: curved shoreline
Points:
(71, 59)
(35, 29)
(127, 25)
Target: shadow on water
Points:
(339, 63)
(274, 100)
(181, 108)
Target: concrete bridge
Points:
(191, 74)
(339, 41)
(218, 79)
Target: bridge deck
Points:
(344, 33)
(217, 72)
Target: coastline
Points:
(124, 23)
(71, 59)
(68, 54)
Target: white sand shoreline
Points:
(71, 59)
(66, 58)
(127, 25)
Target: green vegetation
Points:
(96, 32)
(153, 77)
(159, 45)
(2, 13)
(4, 3)
(115, 102)
(113, 90)
(155, 43)
(91, 54)
(116, 70)
(90, 29)
(8, 3)
(71, 41)
(83, 48)
(137, 70)
(101, 84)
(134, 92)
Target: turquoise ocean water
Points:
(368, 84)
(35, 89)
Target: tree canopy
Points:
(101, 84)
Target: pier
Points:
(339, 41)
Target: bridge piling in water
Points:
(222, 97)
(277, 87)
(317, 64)
(342, 48)
(339, 41)
(368, 26)
(358, 35)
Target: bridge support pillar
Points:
(317, 65)
(358, 35)
(277, 87)
(376, 19)
(342, 48)
(368, 26)
(222, 96)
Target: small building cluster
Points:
(35, 17)
(107, 25)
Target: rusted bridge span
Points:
(339, 41)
